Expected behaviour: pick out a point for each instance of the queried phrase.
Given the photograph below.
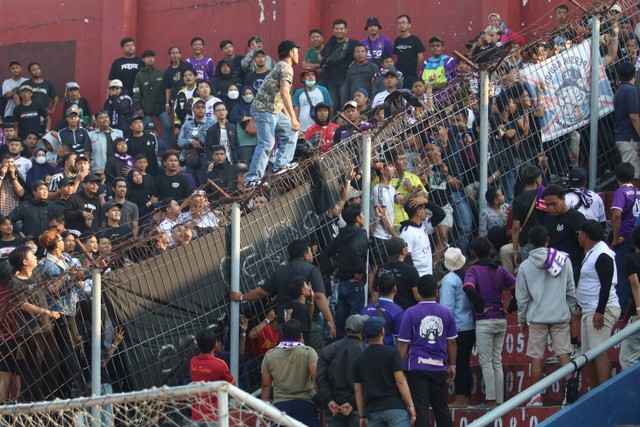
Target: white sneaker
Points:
(535, 400)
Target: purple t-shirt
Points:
(377, 48)
(392, 313)
(205, 67)
(623, 199)
(426, 327)
(490, 283)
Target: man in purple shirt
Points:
(376, 44)
(204, 65)
(427, 342)
(385, 308)
(625, 210)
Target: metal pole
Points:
(223, 407)
(96, 340)
(593, 111)
(235, 287)
(484, 138)
(366, 198)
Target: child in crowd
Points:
(493, 218)
(378, 78)
(120, 164)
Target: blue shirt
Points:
(392, 314)
(453, 297)
(426, 327)
(626, 101)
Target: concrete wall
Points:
(96, 27)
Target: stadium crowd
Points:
(72, 189)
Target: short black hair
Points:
(217, 104)
(491, 195)
(6, 271)
(626, 71)
(562, 7)
(291, 330)
(126, 40)
(297, 248)
(385, 283)
(502, 100)
(18, 255)
(206, 340)
(530, 174)
(404, 16)
(196, 39)
(339, 21)
(295, 286)
(139, 157)
(118, 179)
(317, 31)
(174, 47)
(593, 229)
(480, 246)
(225, 42)
(251, 39)
(218, 147)
(538, 236)
(427, 286)
(31, 64)
(554, 190)
(412, 210)
(625, 172)
(59, 217)
(351, 213)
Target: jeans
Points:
(388, 418)
(350, 301)
(463, 220)
(338, 92)
(490, 340)
(623, 288)
(165, 121)
(508, 184)
(429, 388)
(106, 412)
(353, 420)
(300, 410)
(464, 379)
(269, 126)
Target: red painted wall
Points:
(97, 26)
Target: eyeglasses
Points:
(220, 110)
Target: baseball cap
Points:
(150, 126)
(390, 73)
(147, 53)
(64, 181)
(25, 87)
(350, 104)
(353, 193)
(436, 39)
(134, 118)
(116, 204)
(81, 158)
(259, 52)
(355, 322)
(362, 91)
(372, 21)
(578, 176)
(38, 183)
(73, 110)
(115, 83)
(91, 178)
(372, 327)
(72, 85)
(199, 101)
(395, 245)
(285, 47)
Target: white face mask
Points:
(41, 160)
(233, 94)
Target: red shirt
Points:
(206, 367)
(265, 341)
(326, 137)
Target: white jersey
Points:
(417, 240)
(579, 202)
(382, 196)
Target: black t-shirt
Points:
(521, 206)
(125, 70)
(176, 187)
(563, 232)
(172, 78)
(374, 369)
(407, 50)
(43, 92)
(255, 79)
(145, 144)
(338, 70)
(632, 266)
(117, 234)
(406, 279)
(299, 311)
(30, 118)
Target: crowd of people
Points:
(74, 190)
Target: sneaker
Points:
(278, 171)
(577, 351)
(571, 392)
(553, 360)
(251, 185)
(291, 166)
(535, 400)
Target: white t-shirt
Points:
(595, 211)
(316, 96)
(11, 85)
(23, 165)
(419, 247)
(382, 196)
(379, 98)
(208, 107)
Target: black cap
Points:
(372, 21)
(436, 39)
(38, 183)
(91, 178)
(578, 176)
(147, 53)
(116, 204)
(64, 181)
(136, 118)
(390, 73)
(285, 47)
(150, 126)
(80, 157)
(8, 124)
(320, 105)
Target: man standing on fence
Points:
(273, 112)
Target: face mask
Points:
(233, 94)
(41, 160)
(247, 98)
(310, 83)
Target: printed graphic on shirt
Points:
(431, 328)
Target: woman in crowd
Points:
(40, 168)
(241, 116)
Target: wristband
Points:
(267, 320)
(244, 334)
(615, 38)
(241, 297)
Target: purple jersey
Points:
(426, 327)
(205, 67)
(489, 282)
(377, 48)
(393, 316)
(627, 199)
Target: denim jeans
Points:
(388, 418)
(300, 410)
(623, 288)
(269, 126)
(490, 340)
(350, 301)
(165, 121)
(353, 420)
(463, 220)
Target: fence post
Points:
(366, 198)
(484, 138)
(223, 407)
(593, 111)
(96, 340)
(235, 287)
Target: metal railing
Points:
(567, 369)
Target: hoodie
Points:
(545, 289)
(221, 83)
(350, 248)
